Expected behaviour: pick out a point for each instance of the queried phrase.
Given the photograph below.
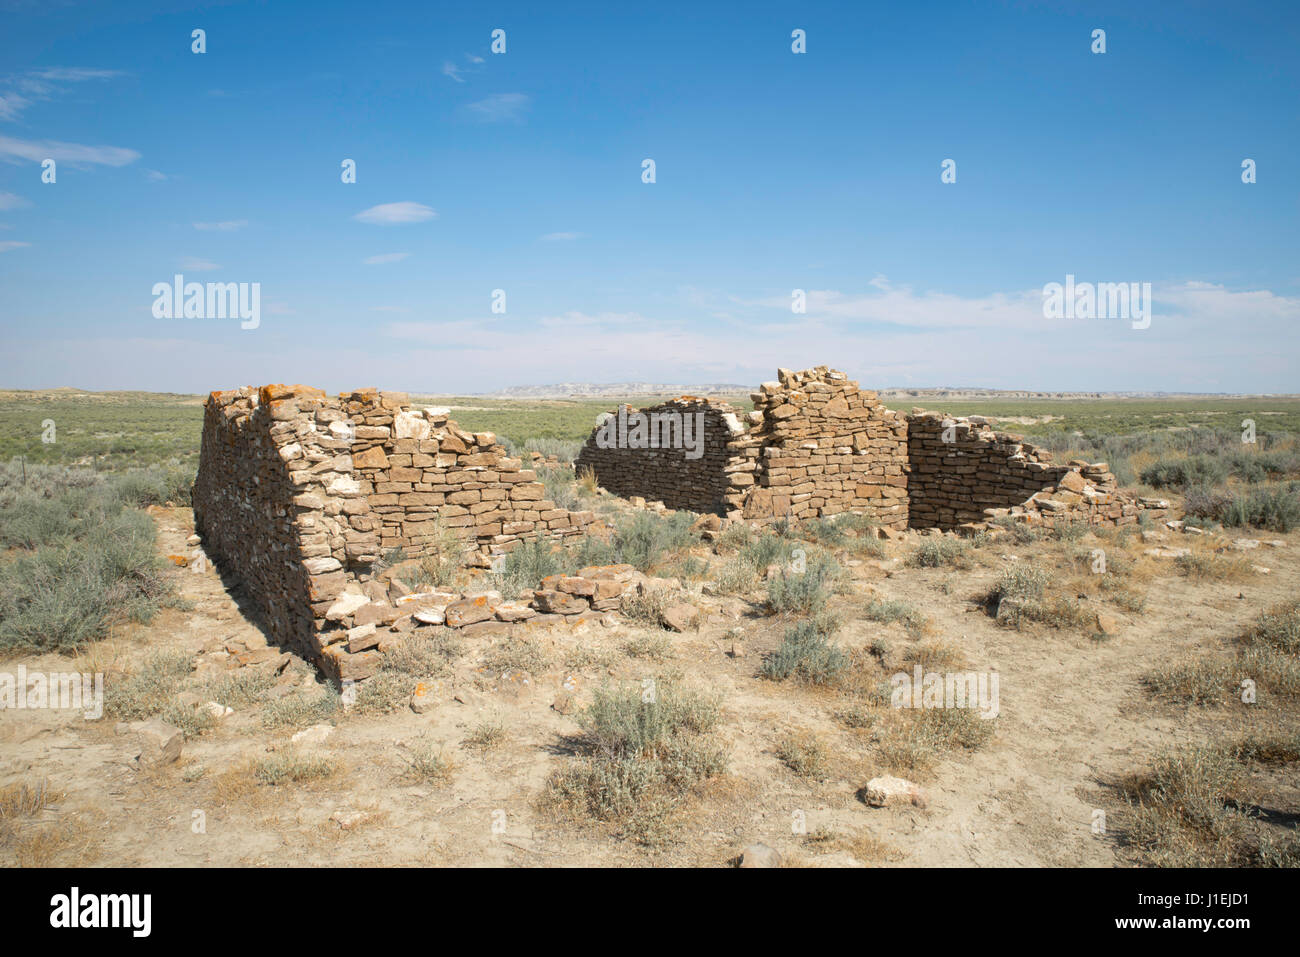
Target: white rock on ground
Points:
(887, 791)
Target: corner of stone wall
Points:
(298, 494)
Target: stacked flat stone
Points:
(704, 484)
(964, 474)
(827, 447)
(298, 493)
(818, 445)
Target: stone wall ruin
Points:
(818, 445)
(303, 497)
(299, 494)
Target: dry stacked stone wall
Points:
(660, 461)
(818, 445)
(823, 447)
(964, 473)
(298, 494)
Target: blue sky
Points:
(775, 171)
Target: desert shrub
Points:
(488, 734)
(1183, 472)
(292, 767)
(29, 520)
(1278, 628)
(516, 654)
(647, 536)
(526, 565)
(590, 550)
(914, 738)
(1070, 531)
(1203, 502)
(736, 577)
(626, 721)
(1272, 507)
(1023, 581)
(560, 483)
(240, 688)
(806, 654)
(933, 654)
(1208, 566)
(764, 550)
(803, 754)
(390, 557)
(1262, 466)
(892, 610)
(685, 568)
(735, 537)
(645, 607)
(565, 450)
(639, 757)
(1020, 594)
(807, 592)
(951, 728)
(64, 595)
(147, 690)
(1192, 808)
(426, 764)
(825, 531)
(651, 645)
(1268, 652)
(940, 552)
(1021, 532)
(443, 558)
(153, 486)
(869, 545)
(301, 711)
(1201, 681)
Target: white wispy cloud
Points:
(385, 258)
(11, 244)
(501, 108)
(901, 337)
(76, 74)
(453, 71)
(45, 84)
(74, 154)
(12, 201)
(12, 104)
(154, 176)
(560, 237)
(388, 214)
(226, 226)
(198, 265)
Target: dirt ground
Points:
(1073, 717)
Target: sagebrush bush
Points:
(642, 749)
(1183, 472)
(644, 539)
(1275, 508)
(526, 565)
(806, 654)
(443, 558)
(806, 592)
(64, 595)
(736, 577)
(1277, 628)
(1193, 807)
(942, 552)
(890, 610)
(765, 549)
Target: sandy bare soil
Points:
(1073, 716)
